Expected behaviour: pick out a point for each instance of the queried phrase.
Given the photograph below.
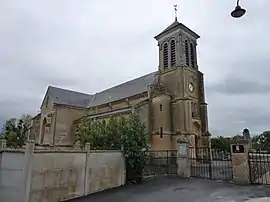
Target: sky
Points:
(89, 46)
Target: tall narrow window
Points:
(173, 62)
(160, 108)
(161, 132)
(192, 58)
(165, 55)
(187, 52)
(47, 102)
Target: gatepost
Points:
(87, 148)
(239, 151)
(183, 163)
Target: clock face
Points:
(191, 87)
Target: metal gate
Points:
(259, 167)
(161, 162)
(211, 164)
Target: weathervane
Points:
(175, 11)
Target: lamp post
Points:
(238, 11)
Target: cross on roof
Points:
(175, 11)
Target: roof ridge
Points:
(123, 90)
(126, 82)
(72, 91)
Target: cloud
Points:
(89, 46)
(240, 86)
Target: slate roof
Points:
(177, 24)
(68, 97)
(171, 26)
(124, 90)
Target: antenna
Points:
(175, 11)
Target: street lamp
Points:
(238, 11)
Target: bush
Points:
(124, 132)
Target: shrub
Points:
(124, 132)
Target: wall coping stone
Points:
(12, 150)
(58, 151)
(77, 151)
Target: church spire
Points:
(176, 25)
(175, 11)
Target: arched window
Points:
(165, 56)
(187, 52)
(192, 57)
(173, 62)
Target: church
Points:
(170, 101)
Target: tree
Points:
(125, 132)
(135, 142)
(221, 143)
(262, 141)
(26, 118)
(15, 130)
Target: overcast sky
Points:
(89, 46)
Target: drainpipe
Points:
(54, 127)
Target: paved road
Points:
(174, 189)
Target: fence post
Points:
(87, 148)
(29, 151)
(125, 166)
(209, 159)
(239, 151)
(167, 161)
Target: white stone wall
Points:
(52, 175)
(57, 174)
(104, 170)
(61, 174)
(12, 178)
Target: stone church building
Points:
(170, 101)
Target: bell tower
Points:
(177, 47)
(178, 73)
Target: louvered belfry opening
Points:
(187, 52)
(165, 56)
(173, 62)
(192, 57)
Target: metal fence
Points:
(211, 164)
(161, 162)
(259, 167)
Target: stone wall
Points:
(104, 170)
(64, 121)
(0, 161)
(50, 175)
(12, 178)
(57, 174)
(35, 129)
(61, 175)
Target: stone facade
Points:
(34, 128)
(171, 101)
